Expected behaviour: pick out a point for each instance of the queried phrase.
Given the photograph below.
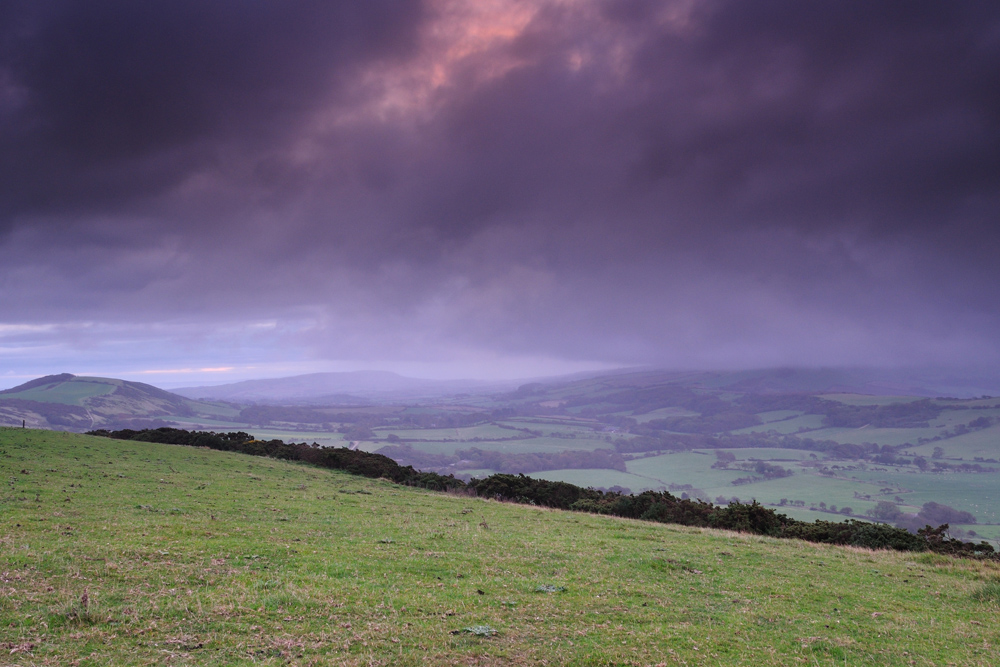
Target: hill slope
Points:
(331, 388)
(123, 553)
(78, 403)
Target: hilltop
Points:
(126, 553)
(77, 403)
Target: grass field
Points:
(71, 393)
(866, 399)
(482, 431)
(129, 553)
(786, 426)
(984, 443)
(547, 445)
(879, 436)
(976, 493)
(778, 415)
(767, 454)
(683, 468)
(588, 477)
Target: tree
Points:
(938, 453)
(885, 511)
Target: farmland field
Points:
(880, 436)
(984, 444)
(789, 425)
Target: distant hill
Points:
(927, 382)
(347, 388)
(366, 387)
(872, 381)
(75, 403)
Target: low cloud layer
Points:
(482, 186)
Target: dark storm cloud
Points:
(111, 100)
(706, 183)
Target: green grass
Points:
(684, 468)
(879, 436)
(587, 477)
(664, 413)
(975, 493)
(984, 443)
(778, 415)
(71, 393)
(130, 553)
(866, 399)
(804, 486)
(777, 454)
(484, 431)
(787, 426)
(325, 438)
(545, 445)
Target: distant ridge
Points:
(351, 387)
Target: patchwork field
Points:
(128, 553)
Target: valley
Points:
(827, 453)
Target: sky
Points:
(199, 191)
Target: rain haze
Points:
(202, 191)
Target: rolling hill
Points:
(130, 553)
(77, 403)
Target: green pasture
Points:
(866, 399)
(983, 531)
(805, 486)
(683, 468)
(588, 477)
(534, 445)
(878, 436)
(984, 443)
(775, 454)
(130, 553)
(975, 493)
(578, 429)
(324, 438)
(787, 426)
(806, 514)
(482, 431)
(951, 418)
(71, 393)
(778, 415)
(217, 409)
(207, 424)
(664, 413)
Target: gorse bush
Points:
(658, 506)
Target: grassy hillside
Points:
(75, 403)
(119, 552)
